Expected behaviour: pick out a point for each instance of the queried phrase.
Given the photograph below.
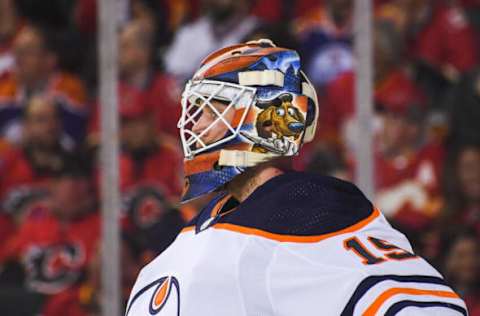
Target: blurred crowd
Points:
(426, 129)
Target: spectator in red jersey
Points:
(407, 163)
(55, 244)
(462, 205)
(42, 152)
(36, 72)
(440, 40)
(438, 32)
(28, 170)
(146, 157)
(140, 82)
(407, 166)
(447, 42)
(85, 299)
(462, 265)
(149, 102)
(137, 73)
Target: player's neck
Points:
(244, 184)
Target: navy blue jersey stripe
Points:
(397, 307)
(371, 281)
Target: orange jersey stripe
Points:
(375, 306)
(297, 239)
(187, 229)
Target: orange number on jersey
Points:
(392, 252)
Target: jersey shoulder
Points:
(294, 203)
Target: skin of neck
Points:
(246, 183)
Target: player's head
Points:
(42, 122)
(247, 104)
(71, 191)
(136, 46)
(340, 10)
(34, 55)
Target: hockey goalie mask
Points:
(247, 104)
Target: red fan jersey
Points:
(54, 253)
(448, 40)
(160, 168)
(65, 303)
(160, 99)
(7, 228)
(163, 99)
(408, 186)
(17, 171)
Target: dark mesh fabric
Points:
(302, 204)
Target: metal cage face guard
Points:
(204, 96)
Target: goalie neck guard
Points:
(247, 104)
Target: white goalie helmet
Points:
(247, 104)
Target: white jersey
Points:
(293, 261)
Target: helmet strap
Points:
(240, 158)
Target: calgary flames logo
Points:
(52, 269)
